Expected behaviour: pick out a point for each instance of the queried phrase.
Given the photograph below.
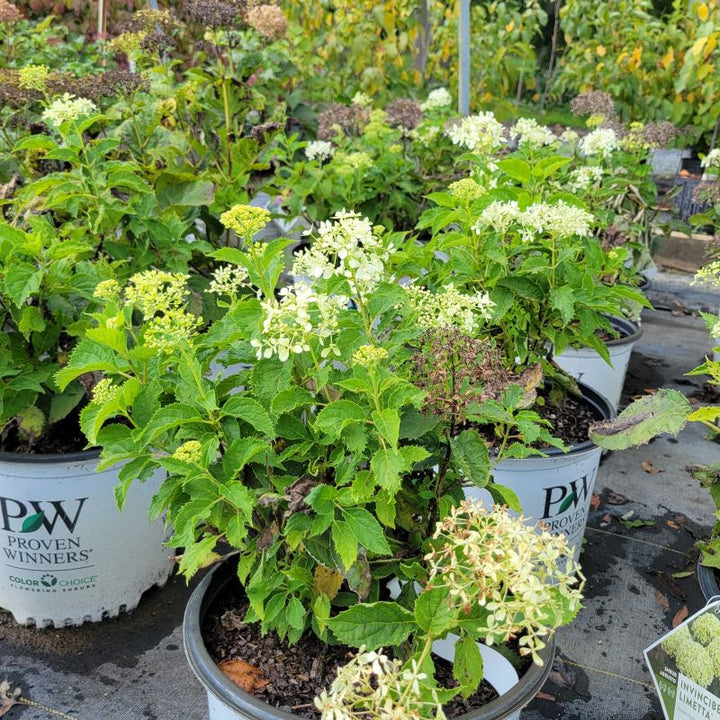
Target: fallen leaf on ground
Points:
(672, 524)
(595, 501)
(606, 520)
(247, 677)
(637, 523)
(8, 697)
(231, 621)
(680, 615)
(650, 391)
(683, 574)
(664, 603)
(649, 468)
(545, 696)
(615, 498)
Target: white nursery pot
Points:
(67, 553)
(226, 701)
(555, 490)
(586, 365)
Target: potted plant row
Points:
(354, 422)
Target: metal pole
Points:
(464, 58)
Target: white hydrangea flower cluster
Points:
(586, 177)
(67, 107)
(451, 307)
(347, 247)
(532, 134)
(602, 142)
(297, 317)
(498, 215)
(557, 219)
(524, 577)
(480, 133)
(439, 98)
(372, 685)
(712, 159)
(319, 150)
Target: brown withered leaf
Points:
(545, 696)
(606, 520)
(231, 621)
(298, 491)
(614, 498)
(664, 603)
(247, 677)
(327, 581)
(268, 536)
(672, 524)
(649, 468)
(595, 501)
(8, 696)
(679, 616)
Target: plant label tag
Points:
(685, 667)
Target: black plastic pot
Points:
(708, 582)
(228, 702)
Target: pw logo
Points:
(561, 498)
(26, 517)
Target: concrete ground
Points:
(133, 667)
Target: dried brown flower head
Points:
(595, 102)
(613, 237)
(211, 13)
(349, 118)
(157, 41)
(261, 132)
(659, 134)
(404, 113)
(107, 84)
(457, 371)
(267, 20)
(9, 13)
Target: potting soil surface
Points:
(639, 559)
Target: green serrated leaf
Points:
(367, 530)
(373, 625)
(345, 543)
(387, 423)
(252, 412)
(467, 665)
(471, 455)
(433, 612)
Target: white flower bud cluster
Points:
(372, 685)
(586, 177)
(299, 316)
(438, 98)
(558, 219)
(451, 307)
(67, 107)
(480, 133)
(346, 247)
(319, 150)
(532, 134)
(524, 577)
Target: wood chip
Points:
(649, 468)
